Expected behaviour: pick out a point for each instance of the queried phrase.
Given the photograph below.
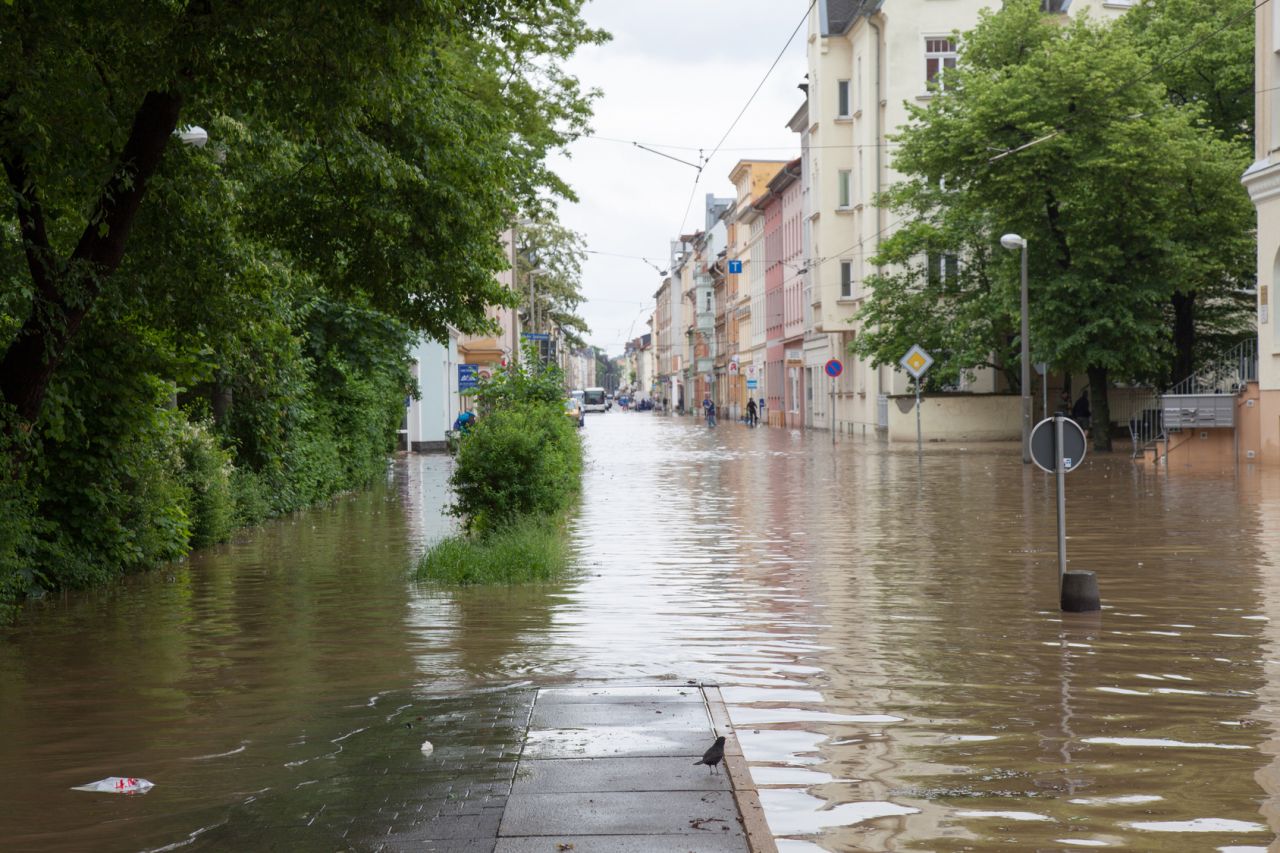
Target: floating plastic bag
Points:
(427, 748)
(117, 785)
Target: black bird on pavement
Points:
(712, 756)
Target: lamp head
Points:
(1013, 241)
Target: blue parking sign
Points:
(468, 376)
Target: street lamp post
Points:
(533, 307)
(1014, 241)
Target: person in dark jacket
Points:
(1080, 412)
(751, 412)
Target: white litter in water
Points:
(427, 748)
(117, 785)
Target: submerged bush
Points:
(523, 459)
(530, 549)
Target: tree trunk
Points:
(64, 292)
(1184, 336)
(1101, 409)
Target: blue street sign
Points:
(834, 368)
(536, 336)
(735, 266)
(468, 376)
(753, 384)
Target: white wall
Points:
(435, 367)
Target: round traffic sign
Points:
(1044, 446)
(834, 368)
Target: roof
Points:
(837, 16)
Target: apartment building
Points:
(745, 251)
(867, 60)
(780, 208)
(1263, 182)
(668, 344)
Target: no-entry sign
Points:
(1044, 445)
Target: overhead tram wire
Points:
(650, 146)
(705, 160)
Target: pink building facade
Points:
(781, 207)
(791, 245)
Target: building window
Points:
(846, 279)
(938, 54)
(1057, 6)
(845, 185)
(944, 271)
(842, 106)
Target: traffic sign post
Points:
(917, 362)
(1057, 447)
(833, 369)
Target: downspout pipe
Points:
(879, 160)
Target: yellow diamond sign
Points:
(916, 361)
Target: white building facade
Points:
(867, 60)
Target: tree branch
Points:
(35, 238)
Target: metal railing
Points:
(1227, 375)
(1140, 409)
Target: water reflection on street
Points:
(884, 626)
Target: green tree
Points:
(1203, 54)
(1098, 173)
(554, 254)
(413, 128)
(195, 337)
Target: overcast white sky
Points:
(676, 74)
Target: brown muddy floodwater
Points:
(885, 628)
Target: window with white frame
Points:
(939, 53)
(844, 187)
(944, 271)
(842, 98)
(846, 279)
(1055, 6)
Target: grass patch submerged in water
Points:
(529, 550)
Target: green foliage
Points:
(1124, 196)
(553, 255)
(520, 384)
(18, 578)
(1203, 54)
(206, 476)
(520, 459)
(530, 549)
(364, 160)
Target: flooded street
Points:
(885, 629)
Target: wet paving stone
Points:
(617, 774)
(622, 813)
(379, 792)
